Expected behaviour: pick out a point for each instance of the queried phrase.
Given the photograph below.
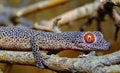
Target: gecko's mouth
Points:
(92, 47)
(105, 47)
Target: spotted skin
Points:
(23, 38)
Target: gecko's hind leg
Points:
(40, 58)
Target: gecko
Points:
(24, 38)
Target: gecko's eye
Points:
(89, 38)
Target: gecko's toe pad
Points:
(41, 63)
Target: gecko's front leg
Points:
(40, 58)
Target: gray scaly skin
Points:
(23, 38)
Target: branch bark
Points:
(1, 71)
(88, 64)
(14, 16)
(39, 6)
(108, 69)
(80, 12)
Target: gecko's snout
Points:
(107, 46)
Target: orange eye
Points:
(89, 38)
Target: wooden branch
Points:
(1, 71)
(39, 6)
(42, 27)
(16, 57)
(14, 14)
(74, 14)
(108, 69)
(55, 62)
(80, 12)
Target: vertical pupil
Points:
(89, 38)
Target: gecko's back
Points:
(14, 38)
(11, 37)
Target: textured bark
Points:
(88, 64)
(39, 6)
(80, 12)
(1, 71)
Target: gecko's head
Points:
(93, 41)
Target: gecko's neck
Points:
(60, 40)
(70, 35)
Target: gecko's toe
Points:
(40, 65)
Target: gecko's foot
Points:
(92, 53)
(42, 63)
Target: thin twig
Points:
(80, 12)
(39, 6)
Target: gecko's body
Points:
(23, 38)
